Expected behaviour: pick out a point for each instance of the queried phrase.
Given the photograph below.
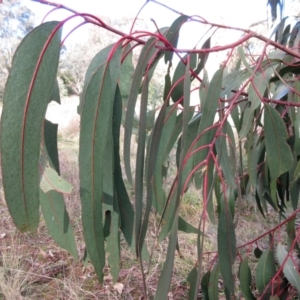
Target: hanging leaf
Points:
(167, 86)
(265, 270)
(205, 285)
(57, 220)
(173, 35)
(166, 273)
(113, 238)
(279, 155)
(178, 77)
(122, 197)
(208, 115)
(226, 244)
(27, 92)
(289, 268)
(245, 280)
(203, 57)
(213, 289)
(292, 235)
(99, 60)
(192, 280)
(50, 134)
(96, 124)
(226, 163)
(140, 229)
(144, 58)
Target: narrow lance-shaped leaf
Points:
(26, 97)
(226, 243)
(279, 155)
(203, 56)
(99, 59)
(208, 114)
(51, 197)
(112, 234)
(110, 203)
(177, 92)
(265, 270)
(166, 274)
(291, 240)
(289, 269)
(192, 280)
(173, 35)
(205, 285)
(145, 56)
(96, 124)
(213, 291)
(245, 280)
(140, 231)
(258, 86)
(124, 204)
(225, 162)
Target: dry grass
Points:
(32, 266)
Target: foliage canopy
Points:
(239, 141)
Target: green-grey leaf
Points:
(208, 115)
(279, 154)
(213, 291)
(289, 268)
(173, 35)
(52, 181)
(99, 60)
(245, 280)
(226, 244)
(26, 97)
(144, 58)
(57, 220)
(166, 273)
(205, 285)
(96, 127)
(265, 270)
(50, 135)
(192, 280)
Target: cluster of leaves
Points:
(254, 156)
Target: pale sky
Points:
(232, 12)
(238, 13)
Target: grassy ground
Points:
(32, 266)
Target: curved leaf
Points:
(205, 285)
(177, 92)
(226, 244)
(58, 221)
(141, 228)
(192, 280)
(26, 97)
(279, 154)
(144, 58)
(265, 270)
(166, 273)
(213, 291)
(245, 280)
(95, 127)
(203, 56)
(289, 268)
(208, 115)
(99, 60)
(124, 204)
(173, 35)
